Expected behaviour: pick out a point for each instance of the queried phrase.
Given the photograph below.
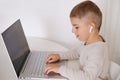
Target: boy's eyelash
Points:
(76, 27)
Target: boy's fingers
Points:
(50, 70)
(48, 59)
(47, 69)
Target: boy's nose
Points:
(73, 31)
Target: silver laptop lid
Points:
(16, 44)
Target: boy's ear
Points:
(92, 27)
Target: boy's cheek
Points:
(82, 36)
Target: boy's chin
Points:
(81, 41)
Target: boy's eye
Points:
(76, 27)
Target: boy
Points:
(86, 19)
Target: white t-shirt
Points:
(92, 62)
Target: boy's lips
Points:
(77, 36)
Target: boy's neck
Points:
(94, 37)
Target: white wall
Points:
(111, 29)
(49, 19)
(42, 18)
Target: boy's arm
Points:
(90, 71)
(71, 54)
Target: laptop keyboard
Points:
(34, 67)
(35, 64)
(39, 65)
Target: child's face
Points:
(80, 28)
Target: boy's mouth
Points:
(77, 36)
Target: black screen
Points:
(16, 45)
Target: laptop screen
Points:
(16, 45)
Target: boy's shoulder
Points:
(99, 46)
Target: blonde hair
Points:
(89, 9)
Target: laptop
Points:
(27, 64)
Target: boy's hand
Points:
(52, 68)
(53, 58)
